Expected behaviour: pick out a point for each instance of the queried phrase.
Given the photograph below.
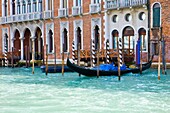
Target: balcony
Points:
(77, 10)
(48, 14)
(63, 12)
(21, 17)
(95, 8)
(114, 4)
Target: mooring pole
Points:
(98, 60)
(78, 56)
(26, 53)
(159, 60)
(46, 69)
(33, 54)
(141, 55)
(12, 57)
(63, 60)
(55, 58)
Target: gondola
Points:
(92, 72)
(55, 69)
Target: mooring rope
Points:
(93, 53)
(107, 51)
(73, 52)
(120, 52)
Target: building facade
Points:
(160, 25)
(28, 24)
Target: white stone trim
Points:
(62, 26)
(78, 23)
(94, 22)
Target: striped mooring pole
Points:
(120, 52)
(107, 51)
(93, 53)
(5, 55)
(73, 52)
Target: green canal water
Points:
(23, 92)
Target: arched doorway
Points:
(115, 36)
(96, 37)
(17, 43)
(27, 43)
(128, 40)
(78, 32)
(38, 45)
(65, 40)
(142, 38)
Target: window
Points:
(142, 16)
(115, 35)
(128, 17)
(78, 37)
(6, 42)
(40, 5)
(50, 41)
(49, 4)
(18, 7)
(115, 18)
(29, 6)
(34, 6)
(77, 2)
(96, 1)
(64, 5)
(13, 7)
(156, 15)
(24, 7)
(96, 38)
(5, 7)
(143, 39)
(65, 40)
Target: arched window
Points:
(49, 4)
(78, 3)
(34, 6)
(29, 6)
(24, 7)
(143, 39)
(50, 41)
(6, 42)
(96, 37)
(40, 5)
(128, 40)
(156, 15)
(18, 7)
(96, 1)
(64, 5)
(65, 40)
(5, 7)
(13, 7)
(78, 37)
(115, 35)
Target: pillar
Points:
(22, 48)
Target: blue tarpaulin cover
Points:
(110, 67)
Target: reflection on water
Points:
(20, 91)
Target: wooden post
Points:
(118, 57)
(33, 54)
(55, 58)
(46, 69)
(78, 56)
(63, 60)
(98, 60)
(43, 55)
(141, 55)
(26, 53)
(12, 59)
(159, 60)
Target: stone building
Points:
(159, 26)
(58, 23)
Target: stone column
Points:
(16, 7)
(33, 47)
(22, 48)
